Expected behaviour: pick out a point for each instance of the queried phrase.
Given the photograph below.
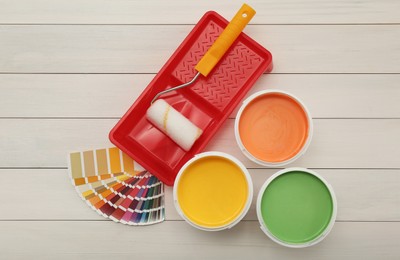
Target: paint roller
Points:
(172, 123)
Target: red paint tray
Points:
(207, 103)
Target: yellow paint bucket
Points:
(213, 191)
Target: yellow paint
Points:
(212, 192)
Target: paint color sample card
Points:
(113, 185)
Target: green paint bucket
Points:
(296, 207)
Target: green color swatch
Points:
(296, 207)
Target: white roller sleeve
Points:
(173, 124)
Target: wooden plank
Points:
(181, 11)
(337, 143)
(144, 49)
(41, 194)
(47, 194)
(76, 95)
(178, 240)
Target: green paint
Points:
(296, 207)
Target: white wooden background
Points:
(70, 68)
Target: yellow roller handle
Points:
(225, 40)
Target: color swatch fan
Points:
(116, 187)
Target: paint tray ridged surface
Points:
(207, 103)
(116, 187)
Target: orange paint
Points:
(273, 127)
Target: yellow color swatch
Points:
(115, 161)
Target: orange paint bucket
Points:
(273, 128)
